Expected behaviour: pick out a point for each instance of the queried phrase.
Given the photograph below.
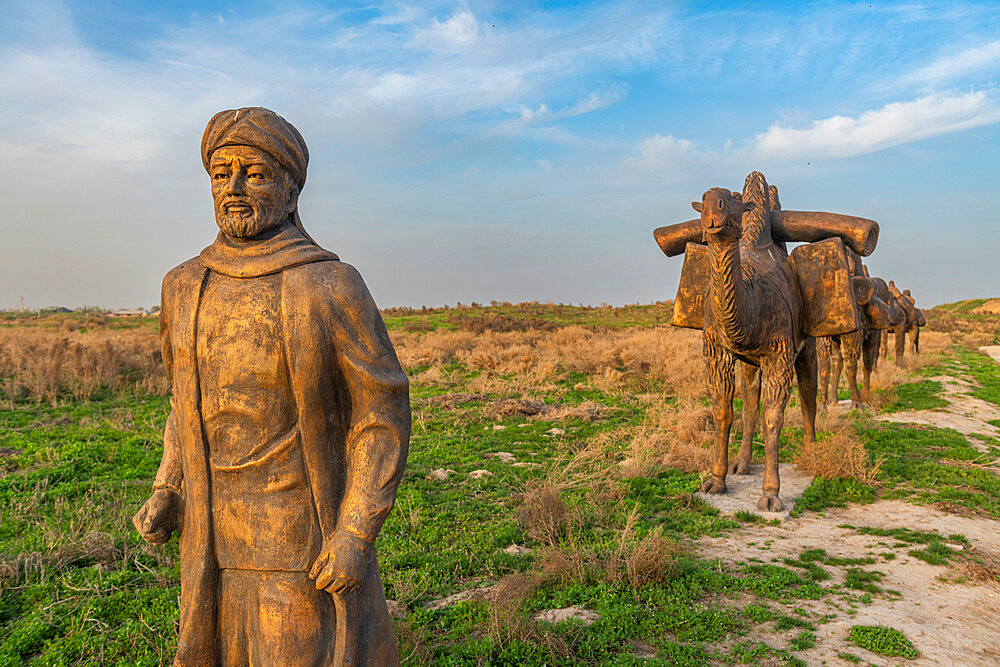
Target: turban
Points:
(260, 128)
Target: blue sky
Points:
(511, 151)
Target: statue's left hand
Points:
(340, 568)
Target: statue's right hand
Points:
(157, 518)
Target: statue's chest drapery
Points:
(246, 395)
(262, 511)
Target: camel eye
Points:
(722, 204)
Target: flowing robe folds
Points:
(341, 404)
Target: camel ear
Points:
(748, 206)
(696, 205)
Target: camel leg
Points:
(851, 347)
(776, 383)
(870, 358)
(837, 363)
(916, 340)
(899, 333)
(751, 411)
(805, 375)
(823, 365)
(721, 366)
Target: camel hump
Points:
(829, 307)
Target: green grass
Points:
(883, 640)
(986, 372)
(923, 395)
(78, 586)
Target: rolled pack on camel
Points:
(672, 239)
(859, 234)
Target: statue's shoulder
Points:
(184, 272)
(334, 279)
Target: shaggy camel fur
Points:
(753, 313)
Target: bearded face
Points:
(251, 191)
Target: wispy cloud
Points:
(893, 124)
(947, 68)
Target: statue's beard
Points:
(247, 225)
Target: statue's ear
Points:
(696, 205)
(748, 206)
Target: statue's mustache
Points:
(237, 202)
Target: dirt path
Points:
(992, 350)
(964, 413)
(950, 623)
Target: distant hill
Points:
(974, 306)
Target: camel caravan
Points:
(811, 311)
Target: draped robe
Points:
(353, 422)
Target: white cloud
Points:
(664, 153)
(459, 33)
(894, 124)
(949, 67)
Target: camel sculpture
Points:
(898, 326)
(758, 305)
(913, 326)
(913, 318)
(834, 353)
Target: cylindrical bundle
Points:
(860, 234)
(672, 239)
(878, 313)
(881, 289)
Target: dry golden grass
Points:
(41, 364)
(518, 362)
(839, 455)
(676, 435)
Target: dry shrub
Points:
(525, 361)
(542, 514)
(43, 364)
(633, 560)
(508, 621)
(499, 322)
(433, 376)
(418, 325)
(673, 435)
(586, 411)
(517, 406)
(452, 400)
(980, 567)
(934, 342)
(840, 455)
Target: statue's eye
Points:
(220, 176)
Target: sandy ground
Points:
(992, 350)
(743, 491)
(950, 623)
(965, 413)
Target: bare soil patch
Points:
(950, 617)
(965, 413)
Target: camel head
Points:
(722, 212)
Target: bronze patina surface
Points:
(289, 425)
(758, 305)
(835, 353)
(907, 319)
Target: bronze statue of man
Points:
(289, 424)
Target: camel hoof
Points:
(740, 468)
(770, 503)
(714, 486)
